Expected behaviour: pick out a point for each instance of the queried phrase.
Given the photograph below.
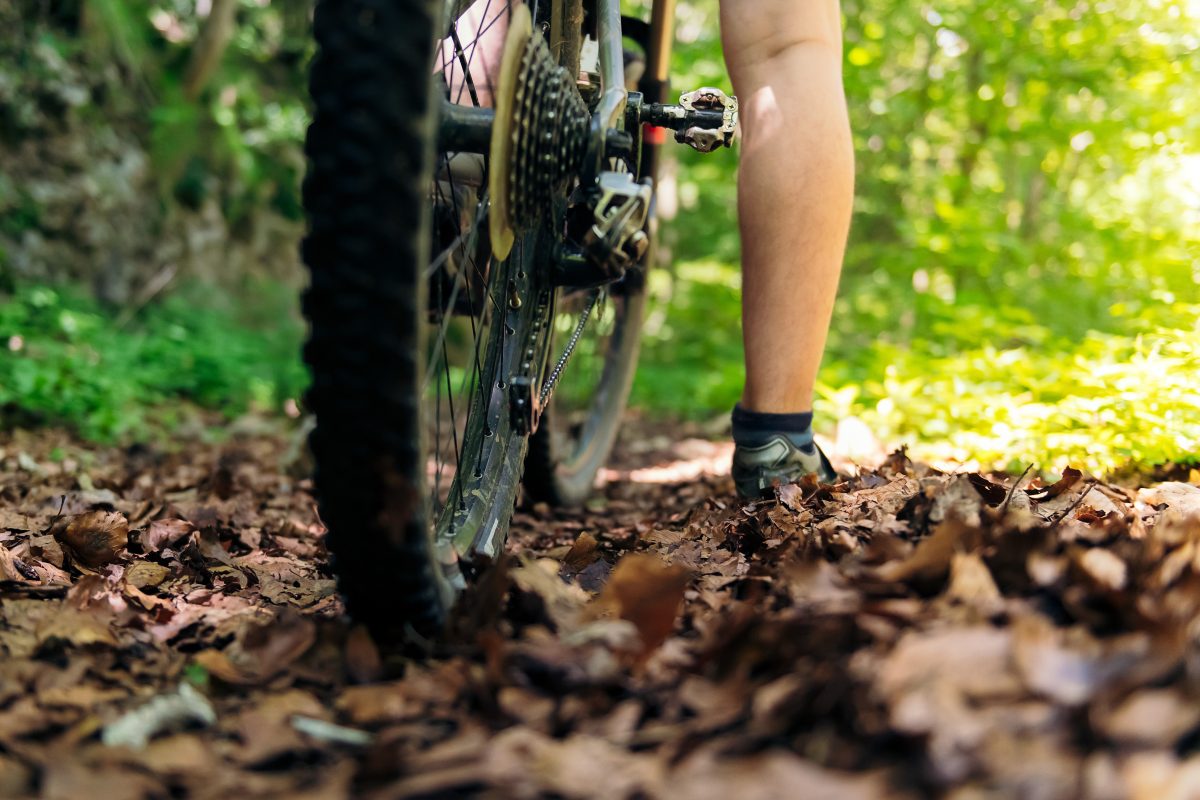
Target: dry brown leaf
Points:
(974, 662)
(72, 626)
(971, 583)
(768, 776)
(9, 569)
(16, 779)
(771, 703)
(714, 705)
(958, 499)
(74, 778)
(376, 704)
(1182, 498)
(582, 553)
(791, 495)
(1068, 666)
(992, 493)
(82, 696)
(96, 537)
(562, 601)
(261, 650)
(522, 763)
(1045, 569)
(362, 656)
(267, 731)
(1104, 568)
(1070, 477)
(819, 585)
(935, 684)
(47, 548)
(220, 666)
(176, 756)
(1158, 775)
(164, 533)
(931, 560)
(647, 592)
(1156, 718)
(143, 574)
(527, 707)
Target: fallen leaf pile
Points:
(169, 627)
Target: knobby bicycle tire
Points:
(372, 164)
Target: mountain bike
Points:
(481, 215)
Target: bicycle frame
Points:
(610, 114)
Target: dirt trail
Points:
(169, 628)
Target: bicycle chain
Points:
(560, 365)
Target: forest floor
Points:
(169, 628)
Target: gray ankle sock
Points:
(753, 428)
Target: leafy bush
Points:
(66, 360)
(966, 382)
(1106, 402)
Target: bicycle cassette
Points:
(539, 137)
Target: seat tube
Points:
(662, 38)
(655, 84)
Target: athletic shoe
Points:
(758, 469)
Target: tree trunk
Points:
(209, 47)
(977, 126)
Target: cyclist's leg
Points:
(795, 188)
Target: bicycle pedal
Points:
(704, 119)
(708, 98)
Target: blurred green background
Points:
(1021, 283)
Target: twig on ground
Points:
(1087, 489)
(1013, 490)
(161, 280)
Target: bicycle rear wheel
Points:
(580, 426)
(415, 328)
(600, 331)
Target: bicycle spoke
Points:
(441, 351)
(484, 28)
(462, 59)
(429, 372)
(437, 444)
(453, 416)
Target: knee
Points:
(754, 31)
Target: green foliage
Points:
(66, 360)
(241, 138)
(1104, 402)
(977, 383)
(691, 359)
(21, 212)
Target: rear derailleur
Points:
(606, 221)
